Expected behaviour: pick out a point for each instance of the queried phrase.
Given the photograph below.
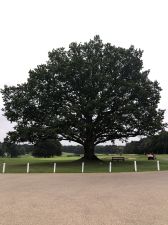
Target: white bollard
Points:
(110, 167)
(83, 165)
(135, 166)
(3, 167)
(28, 167)
(55, 166)
(158, 165)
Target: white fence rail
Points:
(110, 167)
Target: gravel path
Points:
(84, 199)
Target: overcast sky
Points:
(29, 29)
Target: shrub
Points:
(47, 148)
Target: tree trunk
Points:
(89, 146)
(89, 149)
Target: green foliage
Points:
(47, 148)
(100, 149)
(90, 94)
(14, 150)
(159, 143)
(11, 149)
(156, 144)
(135, 147)
(1, 150)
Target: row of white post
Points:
(83, 167)
(135, 166)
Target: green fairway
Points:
(70, 164)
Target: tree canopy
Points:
(91, 93)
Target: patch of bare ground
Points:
(84, 199)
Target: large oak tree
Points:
(90, 94)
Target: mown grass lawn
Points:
(70, 164)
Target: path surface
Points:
(84, 199)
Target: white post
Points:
(158, 166)
(110, 167)
(83, 165)
(135, 166)
(28, 167)
(55, 166)
(3, 167)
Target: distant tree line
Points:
(49, 148)
(104, 149)
(43, 148)
(14, 150)
(157, 144)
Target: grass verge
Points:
(66, 164)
